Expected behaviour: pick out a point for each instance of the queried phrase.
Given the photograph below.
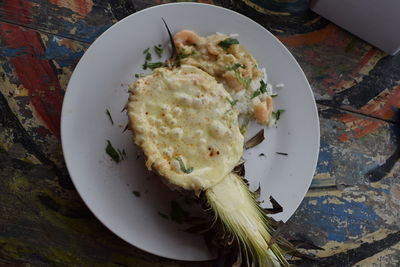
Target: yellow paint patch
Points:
(73, 30)
(322, 176)
(312, 202)
(379, 185)
(64, 77)
(319, 193)
(19, 183)
(333, 200)
(334, 247)
(264, 10)
(379, 258)
(6, 138)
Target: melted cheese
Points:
(183, 115)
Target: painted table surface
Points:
(352, 209)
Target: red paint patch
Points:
(310, 38)
(82, 7)
(35, 74)
(18, 10)
(360, 126)
(344, 138)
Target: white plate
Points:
(99, 82)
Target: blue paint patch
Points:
(62, 55)
(340, 221)
(92, 32)
(324, 164)
(7, 67)
(12, 52)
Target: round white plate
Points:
(100, 81)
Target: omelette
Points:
(184, 122)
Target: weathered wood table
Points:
(352, 209)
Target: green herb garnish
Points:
(225, 44)
(148, 57)
(136, 193)
(122, 154)
(110, 150)
(236, 66)
(242, 80)
(256, 93)
(182, 166)
(243, 129)
(159, 50)
(182, 54)
(152, 65)
(138, 75)
(146, 51)
(233, 102)
(274, 95)
(109, 116)
(178, 214)
(261, 90)
(277, 114)
(263, 87)
(165, 216)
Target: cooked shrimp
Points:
(186, 37)
(213, 50)
(263, 111)
(232, 81)
(248, 70)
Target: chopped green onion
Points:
(277, 114)
(225, 44)
(109, 116)
(110, 150)
(233, 102)
(152, 65)
(158, 50)
(261, 90)
(182, 166)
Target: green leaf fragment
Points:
(232, 102)
(152, 65)
(158, 50)
(110, 150)
(225, 44)
(261, 90)
(148, 57)
(277, 114)
(182, 166)
(136, 193)
(109, 116)
(236, 66)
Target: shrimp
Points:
(232, 81)
(186, 37)
(263, 111)
(213, 50)
(248, 70)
